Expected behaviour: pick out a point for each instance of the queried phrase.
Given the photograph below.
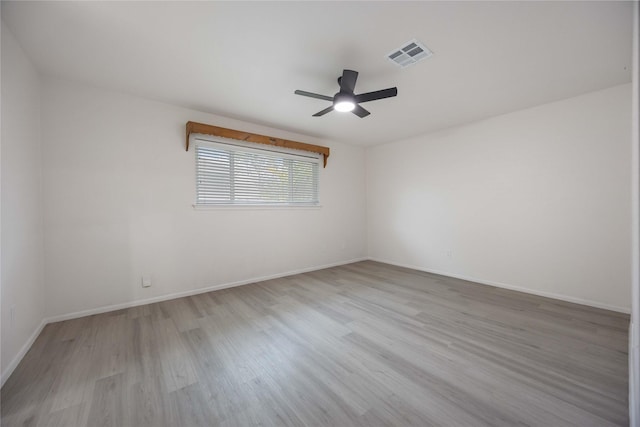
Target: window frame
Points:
(242, 146)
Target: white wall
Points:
(22, 230)
(118, 197)
(536, 199)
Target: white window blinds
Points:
(230, 174)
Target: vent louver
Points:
(410, 53)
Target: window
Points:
(237, 173)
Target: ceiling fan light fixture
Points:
(343, 102)
(344, 106)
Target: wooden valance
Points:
(193, 127)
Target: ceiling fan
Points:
(346, 100)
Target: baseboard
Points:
(23, 350)
(105, 309)
(553, 295)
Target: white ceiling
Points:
(244, 59)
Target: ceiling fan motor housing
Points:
(343, 97)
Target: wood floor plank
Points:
(364, 344)
(146, 405)
(177, 368)
(109, 402)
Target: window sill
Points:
(255, 207)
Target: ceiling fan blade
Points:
(348, 81)
(360, 112)
(323, 112)
(313, 95)
(378, 94)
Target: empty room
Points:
(319, 213)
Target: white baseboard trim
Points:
(23, 351)
(553, 295)
(166, 297)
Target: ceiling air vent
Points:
(410, 53)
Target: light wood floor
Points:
(364, 344)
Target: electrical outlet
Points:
(146, 281)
